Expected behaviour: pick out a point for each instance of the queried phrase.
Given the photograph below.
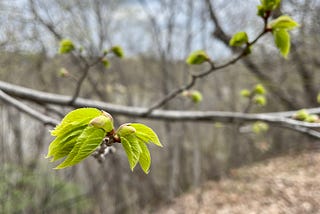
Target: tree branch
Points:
(28, 110)
(277, 118)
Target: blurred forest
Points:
(157, 36)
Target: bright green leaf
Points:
(81, 116)
(66, 46)
(260, 100)
(132, 148)
(63, 144)
(117, 50)
(146, 134)
(302, 114)
(87, 143)
(245, 93)
(282, 41)
(105, 63)
(197, 57)
(145, 158)
(312, 118)
(239, 39)
(283, 22)
(259, 89)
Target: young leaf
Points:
(105, 63)
(146, 134)
(270, 4)
(66, 46)
(81, 116)
(283, 22)
(87, 142)
(132, 148)
(245, 93)
(117, 50)
(282, 41)
(260, 100)
(63, 144)
(145, 158)
(239, 39)
(259, 89)
(197, 57)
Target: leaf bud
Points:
(103, 121)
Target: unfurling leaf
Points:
(245, 93)
(105, 63)
(194, 95)
(66, 46)
(302, 114)
(239, 39)
(283, 22)
(80, 132)
(260, 100)
(117, 50)
(282, 41)
(267, 6)
(197, 58)
(259, 89)
(146, 134)
(87, 142)
(104, 121)
(312, 118)
(260, 127)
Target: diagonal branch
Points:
(46, 120)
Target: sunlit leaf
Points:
(66, 46)
(132, 148)
(283, 22)
(146, 134)
(145, 158)
(78, 117)
(87, 143)
(117, 50)
(197, 57)
(282, 41)
(239, 39)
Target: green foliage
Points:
(197, 57)
(260, 100)
(76, 134)
(283, 22)
(267, 6)
(280, 28)
(239, 39)
(194, 95)
(259, 89)
(312, 118)
(117, 50)
(260, 127)
(105, 63)
(104, 121)
(245, 93)
(302, 114)
(66, 46)
(282, 41)
(318, 98)
(82, 131)
(134, 137)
